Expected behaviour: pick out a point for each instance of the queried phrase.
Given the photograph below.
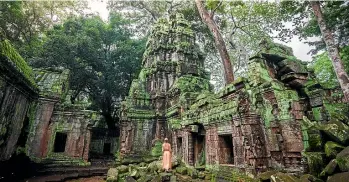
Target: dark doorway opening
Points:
(24, 133)
(60, 141)
(106, 148)
(179, 146)
(199, 149)
(226, 152)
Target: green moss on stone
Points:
(8, 51)
(332, 148)
(342, 159)
(315, 162)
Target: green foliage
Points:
(157, 149)
(191, 84)
(102, 58)
(305, 25)
(323, 68)
(25, 22)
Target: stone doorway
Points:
(106, 148)
(180, 147)
(226, 154)
(199, 149)
(60, 141)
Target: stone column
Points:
(38, 140)
(87, 144)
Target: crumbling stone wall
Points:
(75, 125)
(101, 137)
(17, 91)
(54, 113)
(39, 98)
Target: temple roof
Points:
(52, 83)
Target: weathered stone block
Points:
(343, 159)
(282, 177)
(315, 162)
(182, 170)
(339, 177)
(332, 149)
(330, 168)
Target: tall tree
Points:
(332, 49)
(102, 57)
(220, 44)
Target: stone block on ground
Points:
(315, 162)
(122, 169)
(181, 170)
(130, 179)
(201, 175)
(309, 178)
(173, 179)
(337, 131)
(112, 179)
(332, 149)
(343, 159)
(165, 177)
(330, 168)
(266, 175)
(282, 177)
(339, 177)
(112, 175)
(192, 172)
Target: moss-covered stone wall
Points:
(17, 91)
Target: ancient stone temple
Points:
(172, 75)
(37, 115)
(59, 128)
(254, 124)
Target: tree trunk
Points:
(220, 44)
(332, 49)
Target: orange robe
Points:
(166, 157)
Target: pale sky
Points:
(300, 49)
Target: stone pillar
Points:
(212, 146)
(38, 138)
(87, 144)
(48, 135)
(190, 149)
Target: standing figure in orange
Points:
(166, 156)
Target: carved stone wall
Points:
(54, 115)
(17, 92)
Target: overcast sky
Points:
(300, 49)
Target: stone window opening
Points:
(226, 154)
(60, 141)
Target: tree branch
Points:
(152, 13)
(214, 10)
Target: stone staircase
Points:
(59, 168)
